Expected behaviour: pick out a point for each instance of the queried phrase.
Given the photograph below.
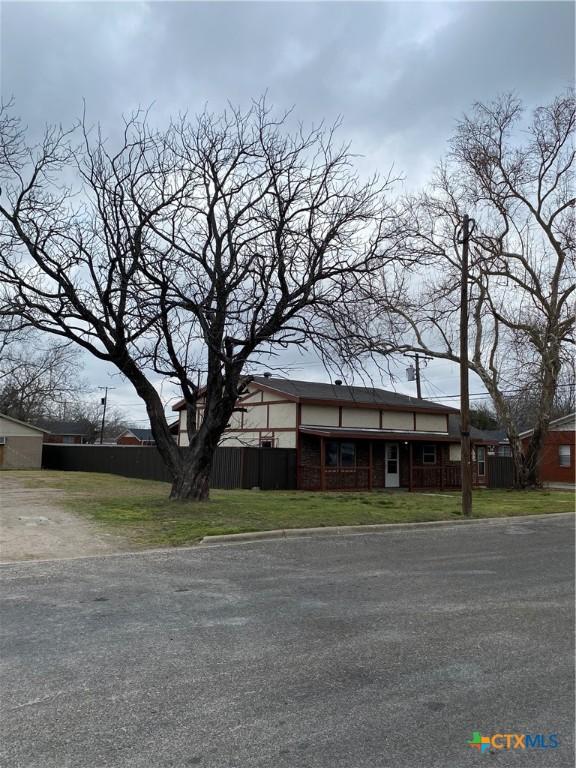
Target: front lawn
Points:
(140, 509)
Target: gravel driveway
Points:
(33, 526)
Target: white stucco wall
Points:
(325, 415)
(282, 415)
(255, 416)
(285, 439)
(360, 417)
(431, 422)
(397, 420)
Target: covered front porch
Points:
(333, 459)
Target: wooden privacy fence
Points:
(265, 468)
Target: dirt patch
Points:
(33, 526)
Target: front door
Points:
(392, 466)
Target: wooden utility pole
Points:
(104, 402)
(466, 453)
(416, 372)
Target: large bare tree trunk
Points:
(193, 480)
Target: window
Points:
(347, 455)
(564, 455)
(429, 454)
(340, 454)
(267, 442)
(67, 438)
(481, 459)
(2, 441)
(504, 450)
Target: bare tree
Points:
(88, 416)
(204, 247)
(38, 376)
(517, 180)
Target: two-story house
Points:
(350, 437)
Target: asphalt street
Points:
(378, 650)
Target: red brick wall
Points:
(127, 440)
(550, 469)
(75, 439)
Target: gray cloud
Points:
(399, 74)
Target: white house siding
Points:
(398, 420)
(323, 415)
(360, 417)
(431, 422)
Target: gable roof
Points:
(343, 394)
(139, 432)
(22, 423)
(569, 420)
(475, 433)
(57, 427)
(340, 394)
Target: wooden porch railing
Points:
(434, 477)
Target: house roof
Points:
(569, 420)
(138, 432)
(57, 427)
(452, 436)
(374, 434)
(22, 423)
(334, 394)
(314, 390)
(476, 434)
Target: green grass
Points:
(140, 509)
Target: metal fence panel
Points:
(500, 472)
(266, 468)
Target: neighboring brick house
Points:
(135, 436)
(20, 444)
(350, 437)
(68, 432)
(559, 452)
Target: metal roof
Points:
(373, 433)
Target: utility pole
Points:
(465, 448)
(104, 402)
(413, 372)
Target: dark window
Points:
(564, 455)
(340, 454)
(267, 443)
(481, 458)
(429, 454)
(347, 455)
(332, 454)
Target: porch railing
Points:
(444, 477)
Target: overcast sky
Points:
(398, 74)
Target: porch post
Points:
(410, 463)
(440, 452)
(322, 465)
(370, 465)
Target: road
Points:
(367, 651)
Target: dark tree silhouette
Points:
(203, 247)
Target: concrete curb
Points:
(351, 530)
